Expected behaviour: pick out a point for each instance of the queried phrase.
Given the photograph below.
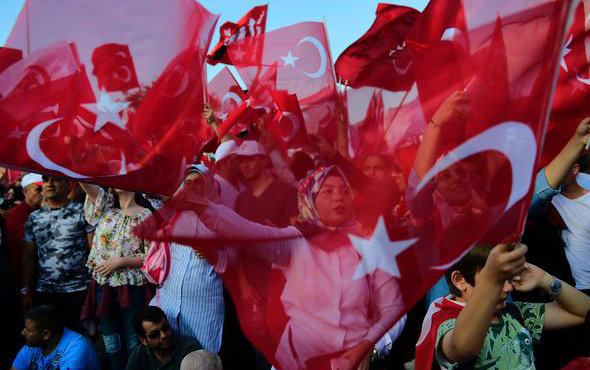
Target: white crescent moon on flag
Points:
(323, 56)
(295, 125)
(513, 139)
(34, 150)
(583, 80)
(233, 96)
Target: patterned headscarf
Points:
(309, 189)
(211, 186)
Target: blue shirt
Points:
(72, 352)
(542, 195)
(192, 298)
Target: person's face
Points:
(33, 195)
(195, 182)
(252, 166)
(158, 335)
(334, 202)
(55, 188)
(453, 185)
(376, 167)
(34, 337)
(10, 194)
(467, 291)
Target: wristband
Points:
(431, 122)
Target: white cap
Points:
(31, 178)
(225, 149)
(251, 147)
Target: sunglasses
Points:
(155, 334)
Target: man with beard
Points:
(51, 346)
(160, 349)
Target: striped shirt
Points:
(192, 298)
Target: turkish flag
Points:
(380, 57)
(224, 94)
(119, 106)
(336, 288)
(258, 103)
(304, 67)
(114, 68)
(368, 136)
(573, 85)
(251, 24)
(9, 56)
(288, 126)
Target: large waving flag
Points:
(301, 55)
(573, 85)
(107, 105)
(337, 288)
(380, 57)
(251, 24)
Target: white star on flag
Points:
(289, 59)
(565, 51)
(239, 54)
(107, 111)
(379, 252)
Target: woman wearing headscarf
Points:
(320, 311)
(192, 293)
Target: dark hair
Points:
(139, 199)
(584, 162)
(18, 192)
(468, 266)
(45, 318)
(149, 313)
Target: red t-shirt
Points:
(14, 229)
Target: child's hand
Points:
(504, 263)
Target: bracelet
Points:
(431, 121)
(24, 290)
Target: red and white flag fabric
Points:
(288, 125)
(336, 289)
(304, 67)
(251, 24)
(380, 58)
(117, 106)
(224, 94)
(573, 85)
(441, 310)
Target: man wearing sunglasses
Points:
(161, 349)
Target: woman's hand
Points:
(109, 266)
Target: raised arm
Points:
(570, 306)
(557, 170)
(91, 190)
(465, 340)
(447, 120)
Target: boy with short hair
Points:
(474, 326)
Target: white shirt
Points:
(576, 215)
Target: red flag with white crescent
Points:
(109, 106)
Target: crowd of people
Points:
(80, 290)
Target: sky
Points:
(346, 20)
